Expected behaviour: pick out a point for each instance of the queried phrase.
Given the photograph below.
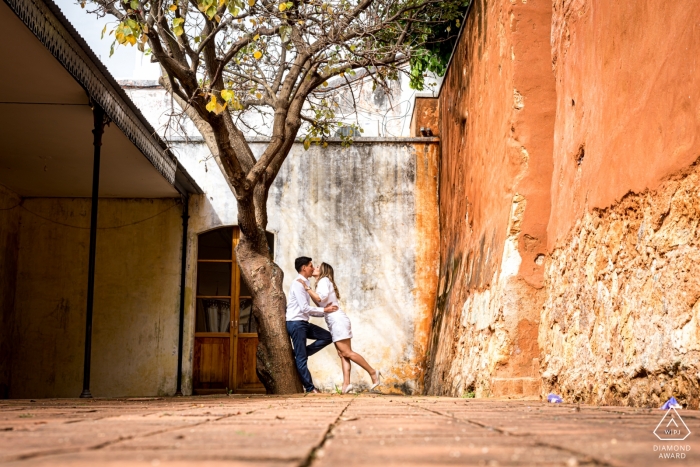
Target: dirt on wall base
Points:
(620, 324)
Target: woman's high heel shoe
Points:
(379, 380)
(347, 389)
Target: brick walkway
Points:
(330, 431)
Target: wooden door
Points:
(225, 333)
(245, 342)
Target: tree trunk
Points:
(275, 359)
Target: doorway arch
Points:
(225, 337)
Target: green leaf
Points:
(177, 26)
(285, 33)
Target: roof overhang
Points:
(49, 82)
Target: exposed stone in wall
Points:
(9, 243)
(621, 322)
(496, 129)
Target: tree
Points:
(225, 59)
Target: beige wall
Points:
(136, 298)
(9, 240)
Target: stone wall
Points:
(137, 283)
(369, 210)
(621, 323)
(496, 126)
(9, 242)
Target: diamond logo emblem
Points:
(671, 427)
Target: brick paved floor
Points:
(331, 430)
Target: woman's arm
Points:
(314, 296)
(323, 289)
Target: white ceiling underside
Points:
(46, 127)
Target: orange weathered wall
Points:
(621, 322)
(570, 203)
(496, 124)
(628, 94)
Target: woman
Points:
(339, 325)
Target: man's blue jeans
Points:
(299, 331)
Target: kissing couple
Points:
(299, 310)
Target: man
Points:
(298, 326)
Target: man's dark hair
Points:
(301, 262)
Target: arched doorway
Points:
(226, 337)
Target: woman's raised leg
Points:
(345, 350)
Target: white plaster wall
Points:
(354, 208)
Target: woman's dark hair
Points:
(326, 270)
(301, 262)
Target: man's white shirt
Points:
(298, 308)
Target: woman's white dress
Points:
(337, 321)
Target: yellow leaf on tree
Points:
(257, 54)
(131, 39)
(227, 94)
(214, 106)
(251, 2)
(307, 143)
(283, 6)
(256, 37)
(172, 7)
(258, 95)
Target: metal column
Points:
(98, 130)
(183, 272)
